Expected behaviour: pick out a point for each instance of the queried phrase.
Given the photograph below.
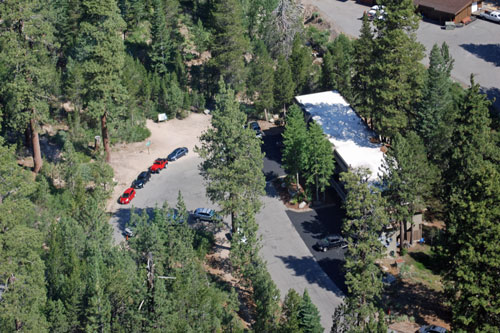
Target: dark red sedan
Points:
(127, 196)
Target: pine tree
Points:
(398, 75)
(300, 64)
(266, 297)
(162, 45)
(362, 65)
(284, 86)
(365, 218)
(102, 25)
(327, 72)
(319, 165)
(473, 211)
(281, 27)
(341, 61)
(435, 115)
(22, 274)
(295, 140)
(27, 45)
(408, 178)
(230, 43)
(291, 312)
(310, 320)
(261, 79)
(232, 158)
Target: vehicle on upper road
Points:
(491, 15)
(255, 126)
(205, 214)
(177, 153)
(142, 179)
(127, 196)
(158, 165)
(432, 329)
(330, 242)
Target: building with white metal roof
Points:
(350, 136)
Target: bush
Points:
(203, 242)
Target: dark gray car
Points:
(177, 153)
(330, 242)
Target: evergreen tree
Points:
(266, 297)
(162, 46)
(102, 25)
(310, 320)
(291, 312)
(22, 276)
(397, 72)
(408, 179)
(363, 60)
(261, 79)
(365, 218)
(284, 86)
(473, 211)
(300, 64)
(319, 159)
(232, 158)
(281, 27)
(327, 72)
(341, 62)
(295, 140)
(435, 115)
(28, 73)
(230, 43)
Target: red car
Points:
(159, 164)
(127, 196)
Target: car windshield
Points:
(143, 175)
(157, 162)
(126, 195)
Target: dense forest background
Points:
(74, 69)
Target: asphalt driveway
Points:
(289, 260)
(475, 47)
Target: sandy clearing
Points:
(128, 160)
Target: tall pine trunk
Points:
(317, 188)
(401, 237)
(35, 143)
(105, 137)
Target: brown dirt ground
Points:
(128, 160)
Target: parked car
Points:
(377, 12)
(255, 126)
(174, 216)
(205, 214)
(432, 329)
(127, 196)
(128, 232)
(142, 179)
(330, 242)
(159, 164)
(491, 15)
(177, 153)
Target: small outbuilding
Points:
(448, 10)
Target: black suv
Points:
(330, 242)
(142, 179)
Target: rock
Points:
(302, 204)
(276, 116)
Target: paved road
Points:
(475, 48)
(290, 261)
(181, 175)
(313, 226)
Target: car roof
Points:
(435, 328)
(203, 211)
(129, 190)
(143, 173)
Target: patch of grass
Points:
(425, 267)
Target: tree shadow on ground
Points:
(494, 96)
(415, 300)
(487, 52)
(123, 216)
(431, 261)
(308, 268)
(334, 268)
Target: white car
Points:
(492, 16)
(377, 12)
